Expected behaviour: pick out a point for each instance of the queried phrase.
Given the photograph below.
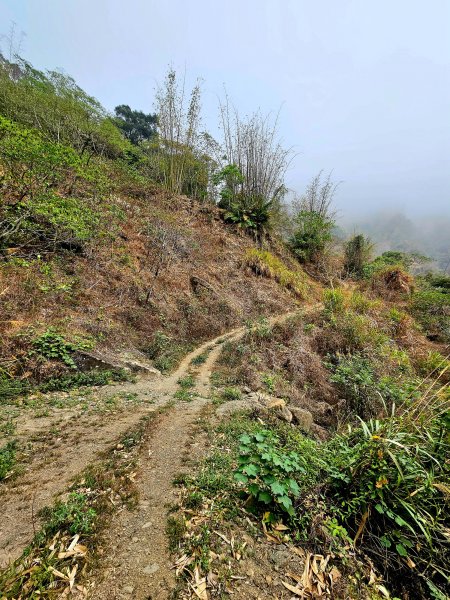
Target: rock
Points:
(150, 569)
(247, 403)
(275, 403)
(321, 409)
(319, 432)
(280, 557)
(285, 414)
(302, 417)
(147, 525)
(128, 589)
(106, 359)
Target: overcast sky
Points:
(364, 85)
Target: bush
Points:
(53, 103)
(357, 254)
(312, 234)
(52, 345)
(431, 308)
(388, 486)
(333, 301)
(33, 212)
(366, 391)
(314, 220)
(393, 258)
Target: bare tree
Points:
(179, 127)
(318, 197)
(252, 145)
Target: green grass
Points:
(185, 393)
(200, 359)
(10, 389)
(7, 459)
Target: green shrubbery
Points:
(33, 211)
(383, 484)
(12, 388)
(431, 308)
(268, 472)
(366, 391)
(388, 485)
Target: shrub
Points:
(393, 258)
(361, 304)
(33, 211)
(357, 254)
(52, 345)
(53, 103)
(311, 236)
(333, 301)
(366, 391)
(431, 308)
(314, 220)
(387, 485)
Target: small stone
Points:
(280, 557)
(150, 569)
(302, 417)
(129, 589)
(276, 403)
(147, 525)
(134, 540)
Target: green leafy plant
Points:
(52, 345)
(366, 391)
(333, 301)
(358, 250)
(75, 515)
(313, 232)
(231, 393)
(267, 472)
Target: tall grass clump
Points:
(264, 263)
(388, 485)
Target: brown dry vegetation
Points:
(187, 281)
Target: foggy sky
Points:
(364, 85)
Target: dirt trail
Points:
(137, 561)
(67, 442)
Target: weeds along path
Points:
(65, 441)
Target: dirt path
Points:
(64, 444)
(137, 561)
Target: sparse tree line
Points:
(52, 133)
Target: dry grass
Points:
(112, 293)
